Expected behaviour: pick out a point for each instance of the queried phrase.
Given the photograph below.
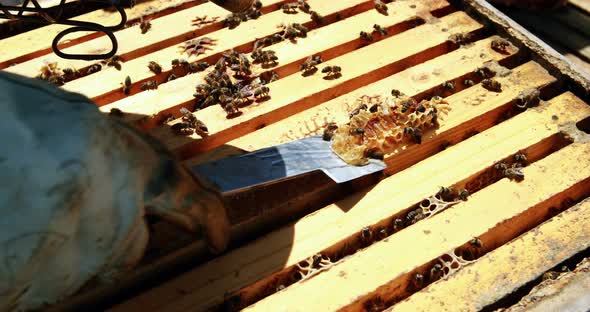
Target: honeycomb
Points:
(381, 123)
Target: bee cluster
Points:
(53, 74)
(513, 171)
(380, 7)
(368, 36)
(303, 6)
(380, 123)
(332, 72)
(460, 38)
(232, 84)
(291, 31)
(235, 19)
(309, 66)
(267, 58)
(189, 124)
(197, 46)
(190, 67)
(145, 26)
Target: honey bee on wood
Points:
(304, 6)
(475, 242)
(126, 85)
(382, 31)
(193, 122)
(418, 281)
(70, 73)
(396, 93)
(93, 69)
(290, 8)
(155, 67)
(145, 26)
(415, 134)
(500, 45)
(380, 7)
(513, 173)
(460, 39)
(332, 72)
(293, 30)
(436, 272)
(414, 216)
(171, 77)
(463, 194)
(521, 158)
(366, 36)
(492, 84)
(309, 66)
(398, 224)
(329, 131)
(182, 128)
(261, 93)
(265, 57)
(115, 112)
(448, 85)
(468, 82)
(149, 85)
(528, 98)
(231, 110)
(446, 194)
(114, 61)
(366, 235)
(316, 17)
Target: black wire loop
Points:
(45, 18)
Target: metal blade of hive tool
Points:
(282, 162)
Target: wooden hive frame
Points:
(275, 238)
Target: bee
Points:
(114, 61)
(475, 242)
(492, 85)
(418, 281)
(375, 153)
(171, 77)
(527, 98)
(301, 29)
(316, 17)
(421, 108)
(266, 58)
(463, 194)
(366, 235)
(484, 72)
(398, 224)
(449, 85)
(514, 173)
(232, 21)
(329, 130)
(468, 82)
(380, 29)
(374, 108)
(357, 110)
(71, 73)
(193, 122)
(304, 6)
(358, 131)
(290, 8)
(436, 272)
(332, 72)
(520, 158)
(445, 194)
(231, 110)
(294, 30)
(126, 85)
(380, 7)
(155, 67)
(396, 93)
(382, 233)
(366, 36)
(460, 39)
(149, 85)
(261, 92)
(500, 45)
(182, 128)
(406, 104)
(269, 77)
(93, 69)
(309, 65)
(145, 26)
(115, 112)
(415, 134)
(414, 216)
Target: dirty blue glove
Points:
(75, 185)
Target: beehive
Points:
(312, 245)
